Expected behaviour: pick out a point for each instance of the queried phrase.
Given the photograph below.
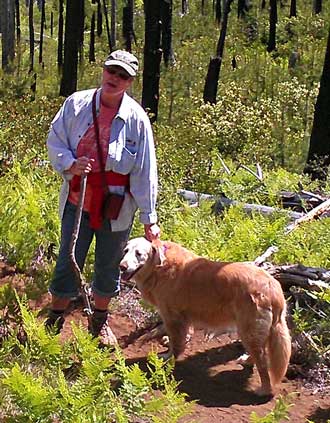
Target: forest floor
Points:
(208, 373)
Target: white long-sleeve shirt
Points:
(131, 151)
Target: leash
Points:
(83, 286)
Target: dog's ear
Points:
(158, 253)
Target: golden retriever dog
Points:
(189, 290)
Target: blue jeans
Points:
(108, 253)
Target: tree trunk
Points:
(263, 4)
(113, 24)
(318, 158)
(92, 40)
(152, 58)
(213, 74)
(128, 24)
(184, 7)
(218, 11)
(272, 26)
(42, 25)
(51, 24)
(242, 8)
(293, 8)
(31, 36)
(99, 19)
(7, 18)
(81, 31)
(18, 22)
(317, 6)
(105, 11)
(72, 41)
(60, 35)
(166, 18)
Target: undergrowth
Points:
(43, 379)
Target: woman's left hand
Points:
(151, 231)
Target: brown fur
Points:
(189, 290)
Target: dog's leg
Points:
(254, 334)
(177, 331)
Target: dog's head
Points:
(137, 254)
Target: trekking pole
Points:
(81, 282)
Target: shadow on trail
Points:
(320, 415)
(211, 387)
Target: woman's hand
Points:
(151, 231)
(81, 165)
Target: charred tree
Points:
(317, 6)
(113, 24)
(213, 73)
(218, 12)
(152, 57)
(184, 7)
(18, 22)
(105, 11)
(60, 35)
(293, 8)
(272, 25)
(99, 19)
(91, 55)
(81, 30)
(51, 23)
(166, 19)
(318, 159)
(42, 26)
(263, 4)
(128, 24)
(73, 24)
(242, 8)
(7, 18)
(31, 36)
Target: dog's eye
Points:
(138, 254)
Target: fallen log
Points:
(309, 278)
(221, 202)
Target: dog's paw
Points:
(264, 392)
(245, 360)
(167, 355)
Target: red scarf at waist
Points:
(95, 181)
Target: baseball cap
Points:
(125, 60)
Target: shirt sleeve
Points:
(143, 177)
(58, 143)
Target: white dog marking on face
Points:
(136, 253)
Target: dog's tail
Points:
(279, 348)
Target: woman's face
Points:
(115, 81)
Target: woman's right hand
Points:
(81, 165)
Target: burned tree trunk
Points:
(166, 18)
(184, 7)
(31, 35)
(317, 6)
(272, 26)
(128, 24)
(42, 26)
(218, 11)
(293, 8)
(7, 18)
(213, 74)
(105, 11)
(152, 58)
(91, 55)
(71, 46)
(99, 19)
(242, 8)
(318, 159)
(113, 24)
(18, 22)
(60, 35)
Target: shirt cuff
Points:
(148, 218)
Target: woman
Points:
(105, 134)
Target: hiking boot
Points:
(55, 321)
(99, 327)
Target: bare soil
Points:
(208, 373)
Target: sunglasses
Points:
(122, 74)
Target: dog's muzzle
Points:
(126, 275)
